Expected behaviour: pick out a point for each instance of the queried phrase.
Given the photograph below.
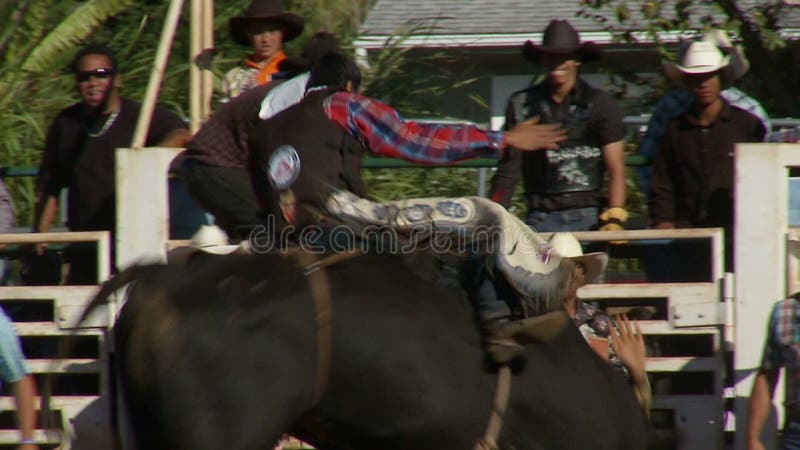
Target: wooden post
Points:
(195, 77)
(142, 204)
(207, 84)
(201, 79)
(157, 74)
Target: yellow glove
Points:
(613, 219)
(611, 226)
(614, 213)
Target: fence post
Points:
(142, 204)
(761, 224)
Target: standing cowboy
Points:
(264, 27)
(693, 173)
(676, 102)
(563, 186)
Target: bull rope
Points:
(314, 269)
(499, 406)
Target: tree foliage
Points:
(72, 30)
(757, 25)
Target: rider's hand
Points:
(530, 135)
(628, 343)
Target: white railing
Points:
(698, 309)
(84, 414)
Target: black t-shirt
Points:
(79, 156)
(604, 126)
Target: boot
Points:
(501, 349)
(499, 345)
(534, 330)
(504, 338)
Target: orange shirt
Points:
(266, 70)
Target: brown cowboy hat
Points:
(560, 37)
(265, 11)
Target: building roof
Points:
(503, 22)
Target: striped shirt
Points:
(782, 348)
(384, 133)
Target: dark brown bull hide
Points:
(223, 355)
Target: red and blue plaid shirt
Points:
(384, 133)
(782, 348)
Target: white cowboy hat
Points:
(208, 239)
(567, 246)
(700, 57)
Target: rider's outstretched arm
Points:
(384, 133)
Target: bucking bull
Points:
(228, 354)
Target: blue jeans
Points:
(185, 215)
(579, 219)
(790, 440)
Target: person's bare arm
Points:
(176, 138)
(759, 406)
(45, 213)
(25, 397)
(628, 343)
(614, 156)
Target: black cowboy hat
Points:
(265, 11)
(561, 38)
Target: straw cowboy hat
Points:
(561, 38)
(208, 239)
(702, 57)
(567, 246)
(265, 11)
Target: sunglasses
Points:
(84, 75)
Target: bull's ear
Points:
(540, 329)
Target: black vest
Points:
(328, 157)
(578, 166)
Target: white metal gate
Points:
(84, 411)
(699, 311)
